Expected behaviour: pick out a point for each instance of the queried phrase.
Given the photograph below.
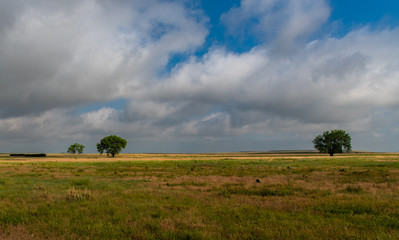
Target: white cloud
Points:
(334, 82)
(62, 55)
(283, 23)
(57, 56)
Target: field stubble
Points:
(200, 196)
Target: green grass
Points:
(201, 196)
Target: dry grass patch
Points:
(20, 233)
(78, 194)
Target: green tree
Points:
(336, 141)
(76, 148)
(111, 145)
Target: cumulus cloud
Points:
(65, 54)
(55, 57)
(283, 23)
(330, 83)
(331, 80)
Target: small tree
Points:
(336, 141)
(111, 145)
(76, 148)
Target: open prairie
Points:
(246, 195)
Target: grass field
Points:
(200, 196)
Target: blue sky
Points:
(346, 14)
(353, 13)
(198, 76)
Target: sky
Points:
(198, 76)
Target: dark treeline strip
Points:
(28, 155)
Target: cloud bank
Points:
(296, 82)
(65, 54)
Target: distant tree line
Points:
(27, 155)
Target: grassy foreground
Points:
(200, 196)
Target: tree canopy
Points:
(76, 148)
(111, 145)
(336, 141)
